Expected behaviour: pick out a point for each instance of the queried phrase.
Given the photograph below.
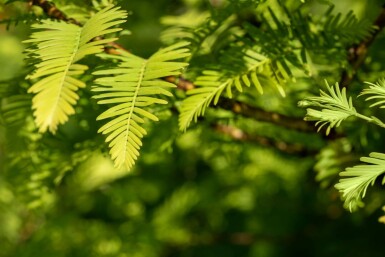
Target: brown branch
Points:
(358, 53)
(52, 11)
(180, 82)
(239, 135)
(262, 115)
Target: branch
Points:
(52, 11)
(357, 53)
(239, 135)
(180, 82)
(262, 115)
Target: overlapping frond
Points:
(209, 30)
(333, 158)
(334, 104)
(182, 26)
(132, 90)
(326, 30)
(293, 33)
(277, 40)
(58, 46)
(359, 178)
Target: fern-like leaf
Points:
(212, 83)
(346, 28)
(182, 27)
(132, 90)
(359, 178)
(334, 104)
(14, 109)
(59, 46)
(376, 92)
(209, 88)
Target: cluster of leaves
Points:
(134, 83)
(86, 96)
(233, 50)
(330, 109)
(265, 50)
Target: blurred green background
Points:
(196, 194)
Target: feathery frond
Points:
(334, 104)
(15, 108)
(212, 83)
(182, 27)
(336, 156)
(15, 103)
(359, 178)
(209, 87)
(327, 30)
(59, 46)
(132, 90)
(347, 29)
(376, 93)
(201, 29)
(207, 30)
(278, 41)
(299, 33)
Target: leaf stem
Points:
(372, 119)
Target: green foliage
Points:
(333, 158)
(212, 83)
(57, 71)
(335, 107)
(132, 89)
(376, 93)
(348, 28)
(353, 188)
(272, 53)
(110, 181)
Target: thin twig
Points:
(262, 115)
(180, 82)
(52, 11)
